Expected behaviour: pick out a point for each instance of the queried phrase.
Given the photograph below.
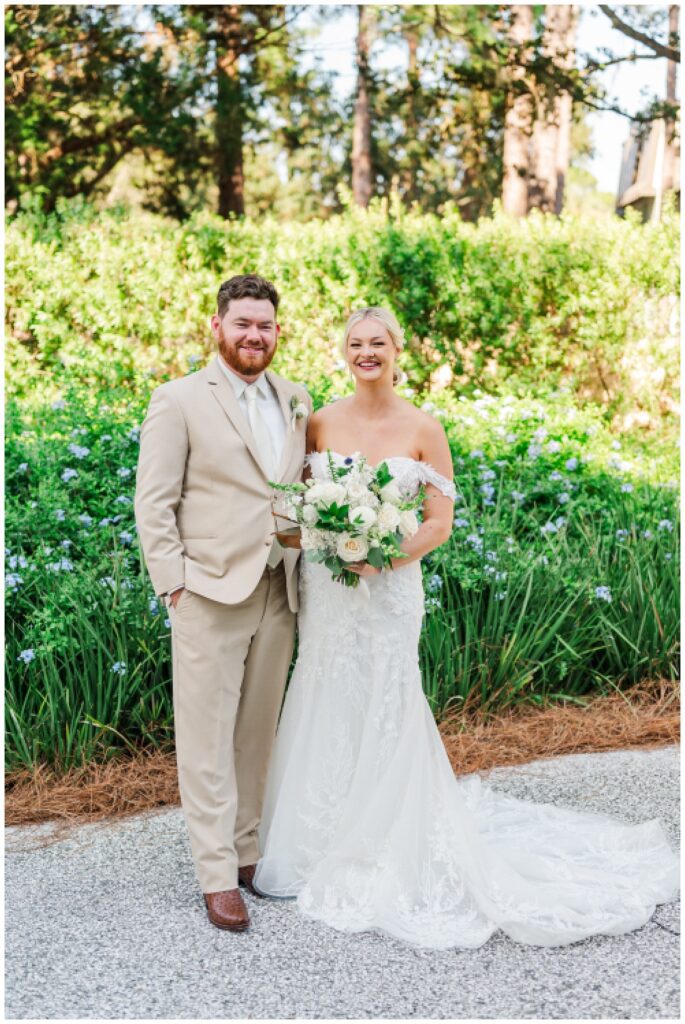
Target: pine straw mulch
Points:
(647, 715)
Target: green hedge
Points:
(520, 306)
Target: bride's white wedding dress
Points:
(365, 823)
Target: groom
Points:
(209, 444)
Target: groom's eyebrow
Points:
(246, 320)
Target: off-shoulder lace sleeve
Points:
(431, 476)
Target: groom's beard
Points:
(239, 360)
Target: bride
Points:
(364, 821)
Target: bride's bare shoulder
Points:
(419, 421)
(322, 418)
(329, 413)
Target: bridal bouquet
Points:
(359, 515)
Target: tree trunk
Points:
(552, 130)
(409, 175)
(567, 60)
(361, 132)
(518, 118)
(229, 112)
(671, 142)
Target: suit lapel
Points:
(225, 396)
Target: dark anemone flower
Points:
(349, 460)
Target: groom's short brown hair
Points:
(245, 286)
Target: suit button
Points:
(267, 543)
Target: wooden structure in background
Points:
(650, 167)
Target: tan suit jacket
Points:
(203, 503)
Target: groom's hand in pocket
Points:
(176, 596)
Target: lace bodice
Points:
(409, 473)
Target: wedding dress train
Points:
(366, 825)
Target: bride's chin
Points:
(368, 378)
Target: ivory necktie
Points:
(262, 438)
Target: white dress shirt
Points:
(269, 409)
(268, 406)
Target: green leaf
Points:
(375, 558)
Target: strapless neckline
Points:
(415, 471)
(388, 458)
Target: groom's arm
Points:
(159, 483)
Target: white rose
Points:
(358, 493)
(309, 515)
(331, 492)
(368, 499)
(352, 549)
(362, 517)
(391, 493)
(408, 524)
(388, 517)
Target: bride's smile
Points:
(370, 353)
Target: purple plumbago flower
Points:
(78, 451)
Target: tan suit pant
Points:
(230, 665)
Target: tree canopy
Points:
(217, 106)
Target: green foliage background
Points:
(505, 305)
(561, 574)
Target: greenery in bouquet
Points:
(358, 515)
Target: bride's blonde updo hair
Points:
(392, 326)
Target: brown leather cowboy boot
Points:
(227, 910)
(246, 876)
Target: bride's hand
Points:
(363, 569)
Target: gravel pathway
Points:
(108, 922)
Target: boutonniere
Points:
(298, 411)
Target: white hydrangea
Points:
(308, 539)
(310, 515)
